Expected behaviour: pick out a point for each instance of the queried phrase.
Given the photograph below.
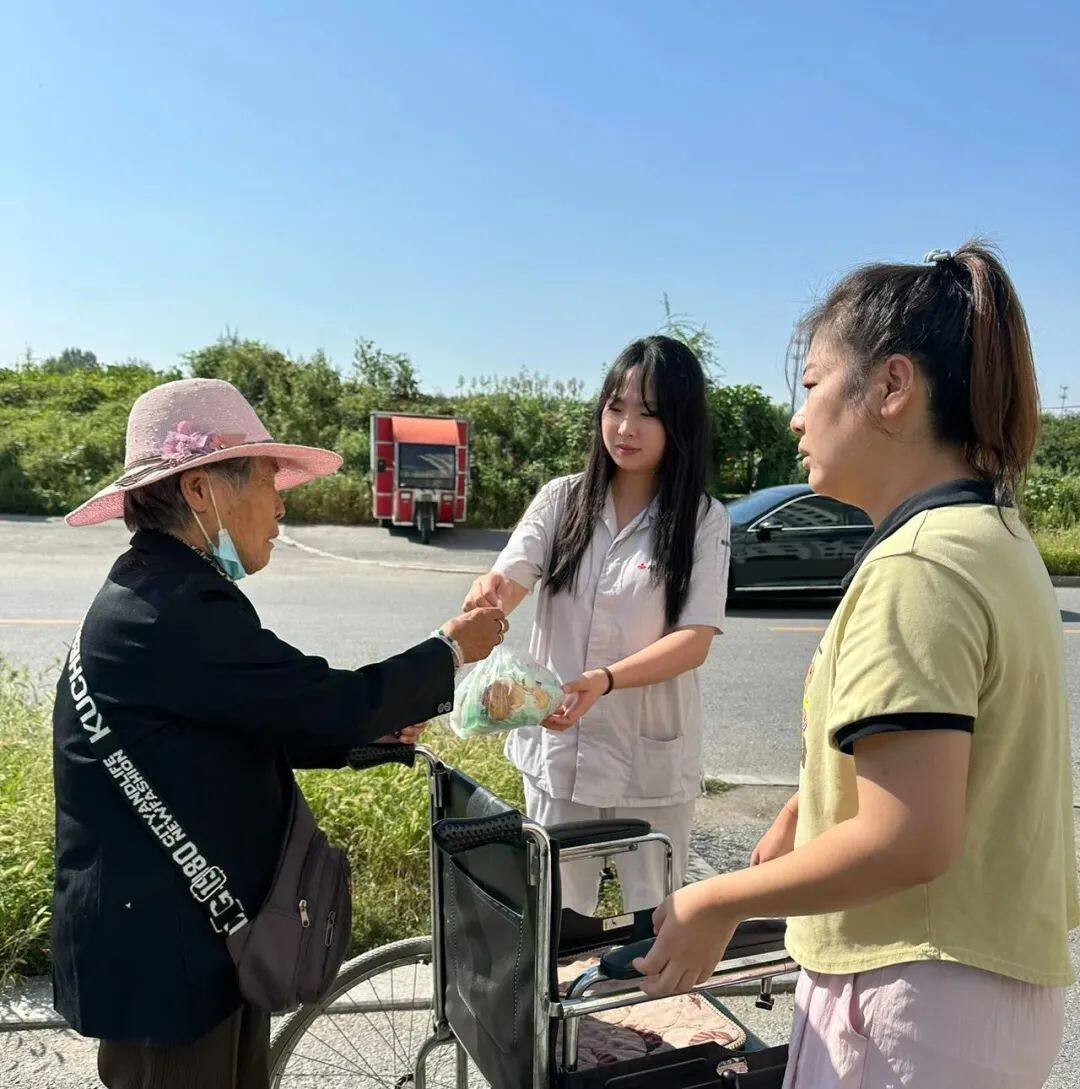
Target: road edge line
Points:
(404, 565)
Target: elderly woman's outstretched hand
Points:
(478, 632)
(408, 736)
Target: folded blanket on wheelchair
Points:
(636, 1031)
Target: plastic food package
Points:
(506, 691)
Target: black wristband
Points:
(610, 679)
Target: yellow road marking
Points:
(38, 623)
(795, 629)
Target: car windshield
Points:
(744, 511)
(425, 466)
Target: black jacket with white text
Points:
(216, 712)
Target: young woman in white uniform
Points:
(632, 560)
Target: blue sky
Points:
(497, 186)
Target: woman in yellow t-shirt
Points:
(927, 864)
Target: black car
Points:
(787, 538)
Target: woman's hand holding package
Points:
(478, 632)
(508, 691)
(580, 697)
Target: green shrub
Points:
(1060, 550)
(62, 435)
(343, 499)
(380, 816)
(62, 430)
(1059, 445)
(753, 444)
(1051, 500)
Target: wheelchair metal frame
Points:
(760, 967)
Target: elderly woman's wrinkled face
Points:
(251, 514)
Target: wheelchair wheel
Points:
(373, 1028)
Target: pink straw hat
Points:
(197, 421)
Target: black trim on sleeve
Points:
(844, 738)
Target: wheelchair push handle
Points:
(374, 756)
(454, 835)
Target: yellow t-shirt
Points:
(951, 615)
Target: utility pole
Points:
(1064, 398)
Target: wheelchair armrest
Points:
(750, 938)
(616, 963)
(456, 834)
(756, 936)
(582, 833)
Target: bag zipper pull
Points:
(330, 920)
(305, 919)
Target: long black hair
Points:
(673, 386)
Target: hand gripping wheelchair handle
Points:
(373, 756)
(454, 835)
(751, 937)
(617, 963)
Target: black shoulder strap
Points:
(207, 883)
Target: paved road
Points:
(361, 608)
(371, 604)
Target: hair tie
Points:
(938, 257)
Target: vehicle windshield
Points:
(744, 511)
(421, 465)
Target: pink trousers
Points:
(925, 1025)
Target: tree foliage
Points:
(1059, 448)
(62, 435)
(62, 432)
(753, 447)
(69, 361)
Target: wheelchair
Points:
(481, 1000)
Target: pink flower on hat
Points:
(184, 441)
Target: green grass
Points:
(715, 787)
(26, 825)
(1060, 549)
(379, 816)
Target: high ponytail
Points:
(1004, 399)
(959, 319)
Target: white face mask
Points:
(224, 551)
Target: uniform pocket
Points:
(657, 767)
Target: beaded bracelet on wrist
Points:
(452, 643)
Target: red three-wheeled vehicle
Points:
(419, 470)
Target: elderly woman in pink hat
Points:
(214, 711)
